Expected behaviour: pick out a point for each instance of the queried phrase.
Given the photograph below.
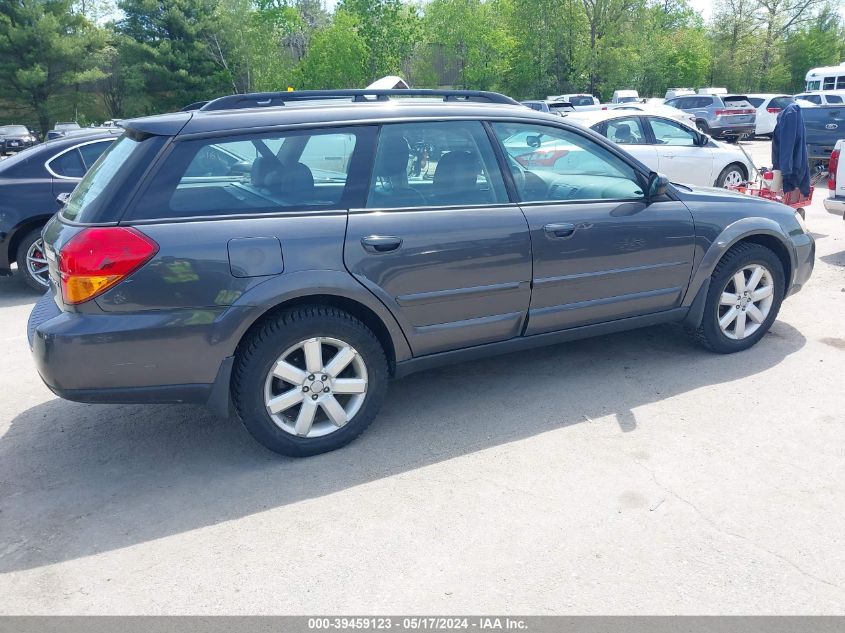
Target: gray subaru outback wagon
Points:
(283, 255)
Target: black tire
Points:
(709, 334)
(703, 127)
(733, 167)
(259, 354)
(23, 271)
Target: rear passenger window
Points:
(626, 131)
(92, 151)
(260, 173)
(68, 165)
(834, 99)
(435, 164)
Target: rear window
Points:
(756, 101)
(581, 101)
(91, 198)
(737, 101)
(560, 108)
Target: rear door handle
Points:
(559, 231)
(381, 243)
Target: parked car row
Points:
(30, 183)
(327, 258)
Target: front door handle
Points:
(381, 243)
(559, 231)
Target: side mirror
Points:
(62, 198)
(702, 140)
(657, 186)
(533, 141)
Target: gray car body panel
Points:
(466, 282)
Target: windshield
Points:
(14, 129)
(813, 85)
(86, 198)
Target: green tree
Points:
(46, 49)
(390, 29)
(169, 45)
(471, 35)
(821, 43)
(337, 58)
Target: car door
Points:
(679, 156)
(438, 242)
(630, 134)
(601, 251)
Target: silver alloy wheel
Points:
(746, 301)
(733, 178)
(36, 263)
(316, 387)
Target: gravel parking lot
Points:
(633, 473)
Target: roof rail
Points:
(275, 99)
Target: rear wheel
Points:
(731, 176)
(746, 290)
(309, 381)
(32, 263)
(702, 126)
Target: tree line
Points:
(90, 60)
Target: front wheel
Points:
(731, 176)
(32, 263)
(309, 381)
(746, 290)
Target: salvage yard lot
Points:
(632, 473)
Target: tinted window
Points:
(255, 173)
(813, 99)
(581, 101)
(627, 131)
(701, 102)
(834, 99)
(92, 151)
(780, 102)
(69, 164)
(668, 132)
(551, 164)
(829, 83)
(840, 82)
(435, 164)
(675, 103)
(756, 101)
(91, 198)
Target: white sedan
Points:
(671, 147)
(657, 109)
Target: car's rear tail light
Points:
(832, 166)
(100, 257)
(772, 110)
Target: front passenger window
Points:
(670, 133)
(553, 164)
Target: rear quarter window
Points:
(103, 192)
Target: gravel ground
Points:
(626, 474)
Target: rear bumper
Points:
(804, 248)
(819, 152)
(835, 205)
(726, 129)
(140, 358)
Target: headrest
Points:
(393, 153)
(457, 170)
